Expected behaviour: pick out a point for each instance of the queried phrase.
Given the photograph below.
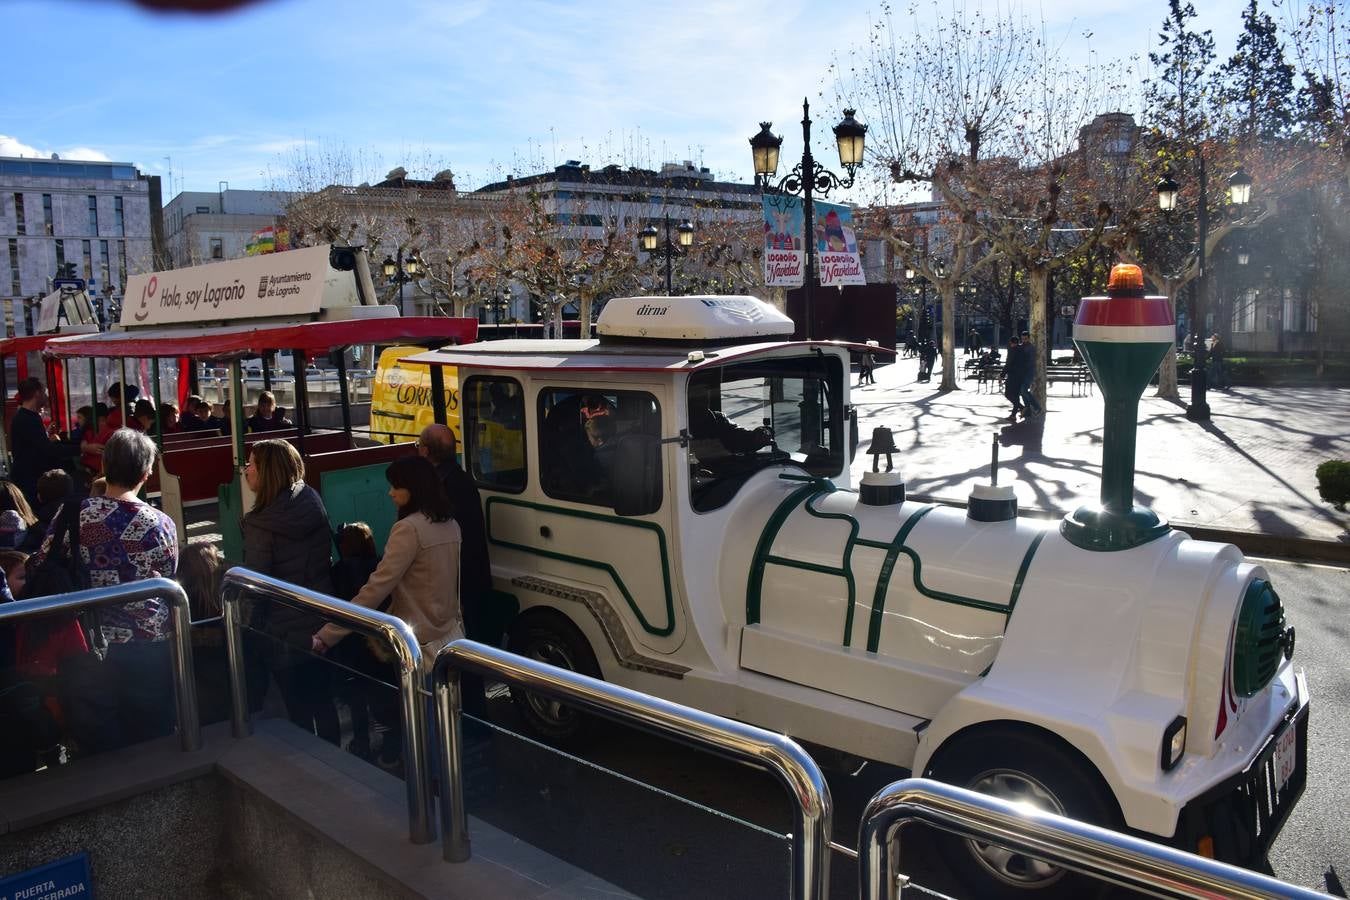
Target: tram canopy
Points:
(242, 342)
(26, 343)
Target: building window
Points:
(88, 260)
(15, 287)
(20, 226)
(47, 214)
(93, 215)
(1244, 311)
(60, 256)
(105, 266)
(203, 209)
(217, 248)
(122, 261)
(119, 220)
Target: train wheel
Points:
(550, 637)
(1019, 766)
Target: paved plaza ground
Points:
(1249, 469)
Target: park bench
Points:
(1076, 375)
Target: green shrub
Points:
(1333, 482)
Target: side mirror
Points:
(852, 433)
(636, 482)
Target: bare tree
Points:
(1320, 31)
(982, 109)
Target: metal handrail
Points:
(240, 583)
(1111, 856)
(184, 685)
(777, 753)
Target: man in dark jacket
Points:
(437, 444)
(34, 450)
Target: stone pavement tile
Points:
(1251, 468)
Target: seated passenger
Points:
(168, 415)
(593, 405)
(600, 434)
(189, 420)
(264, 417)
(143, 416)
(714, 434)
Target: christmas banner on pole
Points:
(784, 252)
(837, 257)
(837, 246)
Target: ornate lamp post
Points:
(649, 237)
(917, 323)
(402, 270)
(1239, 195)
(807, 179)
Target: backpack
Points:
(62, 572)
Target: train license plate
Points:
(1286, 756)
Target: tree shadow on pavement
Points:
(1315, 505)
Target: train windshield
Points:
(772, 412)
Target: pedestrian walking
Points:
(1031, 407)
(927, 357)
(419, 572)
(866, 363)
(437, 444)
(1218, 375)
(287, 536)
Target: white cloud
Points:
(11, 146)
(86, 153)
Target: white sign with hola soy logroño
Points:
(277, 284)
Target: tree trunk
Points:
(584, 306)
(1167, 371)
(1038, 277)
(948, 291)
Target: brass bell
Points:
(883, 441)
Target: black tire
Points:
(1018, 763)
(550, 637)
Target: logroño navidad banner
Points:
(837, 259)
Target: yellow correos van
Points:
(400, 401)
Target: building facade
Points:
(588, 201)
(204, 226)
(587, 204)
(102, 217)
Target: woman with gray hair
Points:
(123, 539)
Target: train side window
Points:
(494, 432)
(581, 433)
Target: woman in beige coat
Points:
(420, 575)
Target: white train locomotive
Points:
(667, 509)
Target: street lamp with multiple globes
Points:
(649, 237)
(806, 179)
(402, 270)
(1239, 195)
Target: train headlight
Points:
(1173, 743)
(1261, 641)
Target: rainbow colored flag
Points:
(267, 240)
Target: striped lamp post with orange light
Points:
(1123, 337)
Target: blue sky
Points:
(478, 86)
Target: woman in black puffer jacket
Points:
(287, 536)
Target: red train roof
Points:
(253, 340)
